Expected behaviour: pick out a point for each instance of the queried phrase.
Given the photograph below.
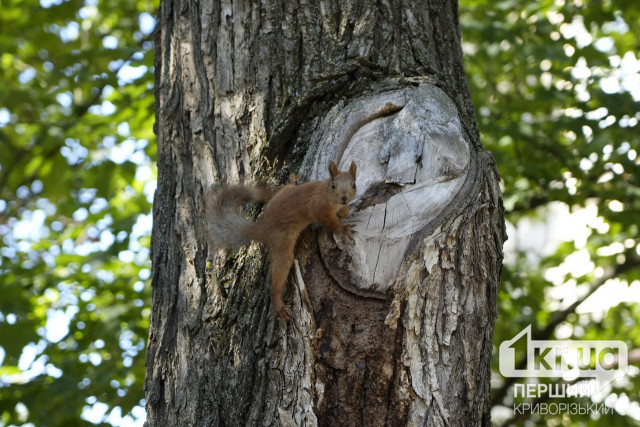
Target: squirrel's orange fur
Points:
(287, 213)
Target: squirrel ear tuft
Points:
(333, 169)
(352, 169)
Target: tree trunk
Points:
(393, 329)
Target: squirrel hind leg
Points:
(281, 261)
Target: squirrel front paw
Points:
(349, 231)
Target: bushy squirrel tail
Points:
(228, 226)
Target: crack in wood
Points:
(377, 193)
(375, 270)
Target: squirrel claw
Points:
(283, 311)
(349, 231)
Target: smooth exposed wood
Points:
(415, 159)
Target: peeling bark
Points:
(394, 329)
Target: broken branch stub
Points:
(412, 158)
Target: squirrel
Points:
(289, 211)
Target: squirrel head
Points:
(343, 184)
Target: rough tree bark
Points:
(394, 329)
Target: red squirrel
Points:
(288, 212)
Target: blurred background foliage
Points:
(76, 185)
(556, 87)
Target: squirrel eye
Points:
(333, 185)
(354, 185)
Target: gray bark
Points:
(394, 329)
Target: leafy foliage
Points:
(76, 180)
(552, 82)
(556, 87)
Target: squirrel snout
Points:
(344, 199)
